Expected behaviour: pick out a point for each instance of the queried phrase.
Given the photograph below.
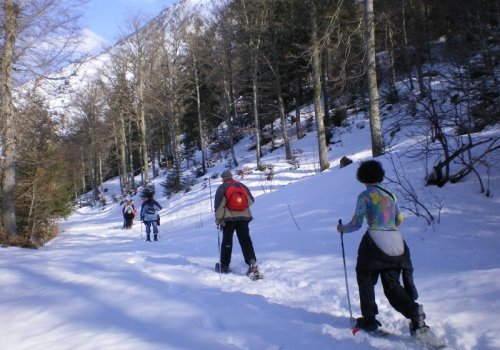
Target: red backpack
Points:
(236, 197)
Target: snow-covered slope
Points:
(97, 286)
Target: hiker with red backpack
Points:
(232, 212)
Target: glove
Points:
(339, 228)
(219, 224)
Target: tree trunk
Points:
(130, 148)
(231, 110)
(95, 174)
(84, 181)
(232, 107)
(418, 29)
(151, 147)
(255, 93)
(142, 129)
(198, 110)
(122, 150)
(376, 134)
(279, 94)
(281, 104)
(118, 147)
(316, 67)
(408, 64)
(298, 103)
(324, 83)
(11, 12)
(392, 61)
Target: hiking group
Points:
(149, 214)
(382, 251)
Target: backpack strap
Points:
(389, 193)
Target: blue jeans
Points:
(148, 227)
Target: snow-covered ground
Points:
(97, 286)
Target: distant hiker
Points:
(128, 212)
(382, 252)
(232, 212)
(150, 217)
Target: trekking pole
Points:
(218, 245)
(141, 230)
(210, 189)
(218, 230)
(351, 323)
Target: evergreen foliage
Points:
(187, 83)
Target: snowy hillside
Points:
(97, 286)
(61, 89)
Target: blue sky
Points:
(108, 18)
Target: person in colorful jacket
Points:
(150, 217)
(382, 252)
(231, 220)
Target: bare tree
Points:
(11, 13)
(39, 36)
(375, 128)
(254, 20)
(223, 58)
(276, 28)
(90, 106)
(116, 88)
(194, 41)
(142, 49)
(316, 70)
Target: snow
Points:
(97, 286)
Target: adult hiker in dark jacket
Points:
(382, 252)
(231, 220)
(150, 217)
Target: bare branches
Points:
(411, 201)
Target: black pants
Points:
(128, 220)
(371, 264)
(243, 233)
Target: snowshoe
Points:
(222, 268)
(367, 324)
(253, 273)
(427, 338)
(422, 332)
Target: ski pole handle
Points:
(340, 223)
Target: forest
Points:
(179, 90)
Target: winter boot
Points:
(222, 268)
(253, 271)
(156, 237)
(148, 238)
(417, 323)
(368, 324)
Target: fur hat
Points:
(226, 174)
